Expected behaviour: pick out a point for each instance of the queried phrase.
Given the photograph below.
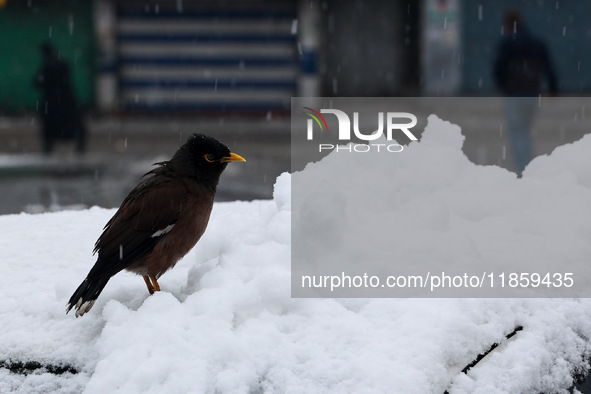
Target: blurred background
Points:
(146, 74)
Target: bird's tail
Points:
(86, 294)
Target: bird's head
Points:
(204, 157)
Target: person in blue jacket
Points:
(523, 71)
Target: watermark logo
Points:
(395, 122)
(317, 117)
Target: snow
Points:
(436, 211)
(225, 322)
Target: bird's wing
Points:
(145, 216)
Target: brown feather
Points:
(160, 220)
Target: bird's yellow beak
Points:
(232, 157)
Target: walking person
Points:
(61, 118)
(523, 71)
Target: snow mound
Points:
(225, 322)
(435, 211)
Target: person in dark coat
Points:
(522, 71)
(61, 118)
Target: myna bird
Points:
(160, 220)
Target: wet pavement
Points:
(121, 150)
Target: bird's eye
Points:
(209, 157)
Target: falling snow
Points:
(225, 321)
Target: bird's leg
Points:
(149, 284)
(155, 283)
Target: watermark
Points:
(427, 223)
(390, 124)
(433, 282)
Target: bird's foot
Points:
(155, 282)
(151, 283)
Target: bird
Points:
(160, 220)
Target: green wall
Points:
(24, 25)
